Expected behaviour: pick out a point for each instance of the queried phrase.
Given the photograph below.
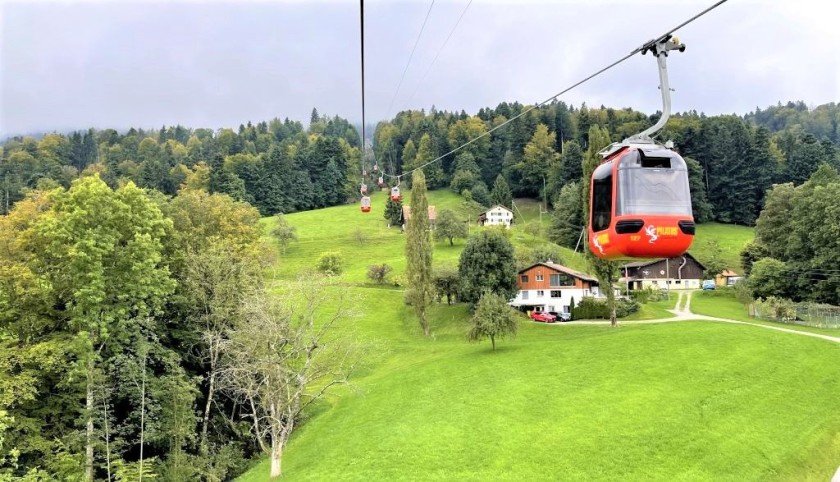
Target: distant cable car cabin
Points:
(375, 168)
(395, 193)
(365, 204)
(640, 203)
(363, 189)
(380, 182)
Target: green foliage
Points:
(752, 252)
(539, 156)
(283, 232)
(542, 253)
(418, 253)
(501, 193)
(393, 212)
(776, 309)
(493, 319)
(487, 264)
(481, 195)
(448, 226)
(568, 217)
(447, 284)
(331, 263)
(769, 277)
(591, 309)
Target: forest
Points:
(124, 256)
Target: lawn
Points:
(689, 400)
(686, 400)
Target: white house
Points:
(498, 215)
(552, 287)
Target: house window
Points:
(524, 278)
(540, 293)
(539, 277)
(655, 282)
(556, 294)
(678, 281)
(524, 295)
(561, 279)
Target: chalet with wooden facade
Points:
(681, 273)
(552, 287)
(727, 277)
(498, 215)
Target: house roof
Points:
(406, 211)
(641, 264)
(562, 269)
(728, 272)
(497, 206)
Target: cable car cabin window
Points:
(602, 194)
(652, 185)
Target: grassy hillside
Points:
(687, 400)
(730, 238)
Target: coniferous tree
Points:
(418, 253)
(501, 192)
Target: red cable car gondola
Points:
(395, 194)
(640, 205)
(365, 204)
(380, 182)
(363, 189)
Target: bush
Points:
(331, 263)
(592, 309)
(776, 309)
(648, 295)
(378, 272)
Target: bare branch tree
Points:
(283, 355)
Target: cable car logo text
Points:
(655, 232)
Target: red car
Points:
(542, 316)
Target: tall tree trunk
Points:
(611, 303)
(493, 341)
(210, 390)
(89, 423)
(276, 458)
(107, 441)
(142, 416)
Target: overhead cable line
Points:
(362, 34)
(410, 57)
(429, 68)
(642, 48)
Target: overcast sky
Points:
(69, 65)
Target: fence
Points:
(806, 314)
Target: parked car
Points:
(709, 284)
(543, 317)
(561, 316)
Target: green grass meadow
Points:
(671, 401)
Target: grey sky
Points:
(69, 65)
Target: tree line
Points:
(276, 166)
(137, 338)
(733, 160)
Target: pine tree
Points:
(418, 253)
(501, 192)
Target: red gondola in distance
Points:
(365, 204)
(640, 204)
